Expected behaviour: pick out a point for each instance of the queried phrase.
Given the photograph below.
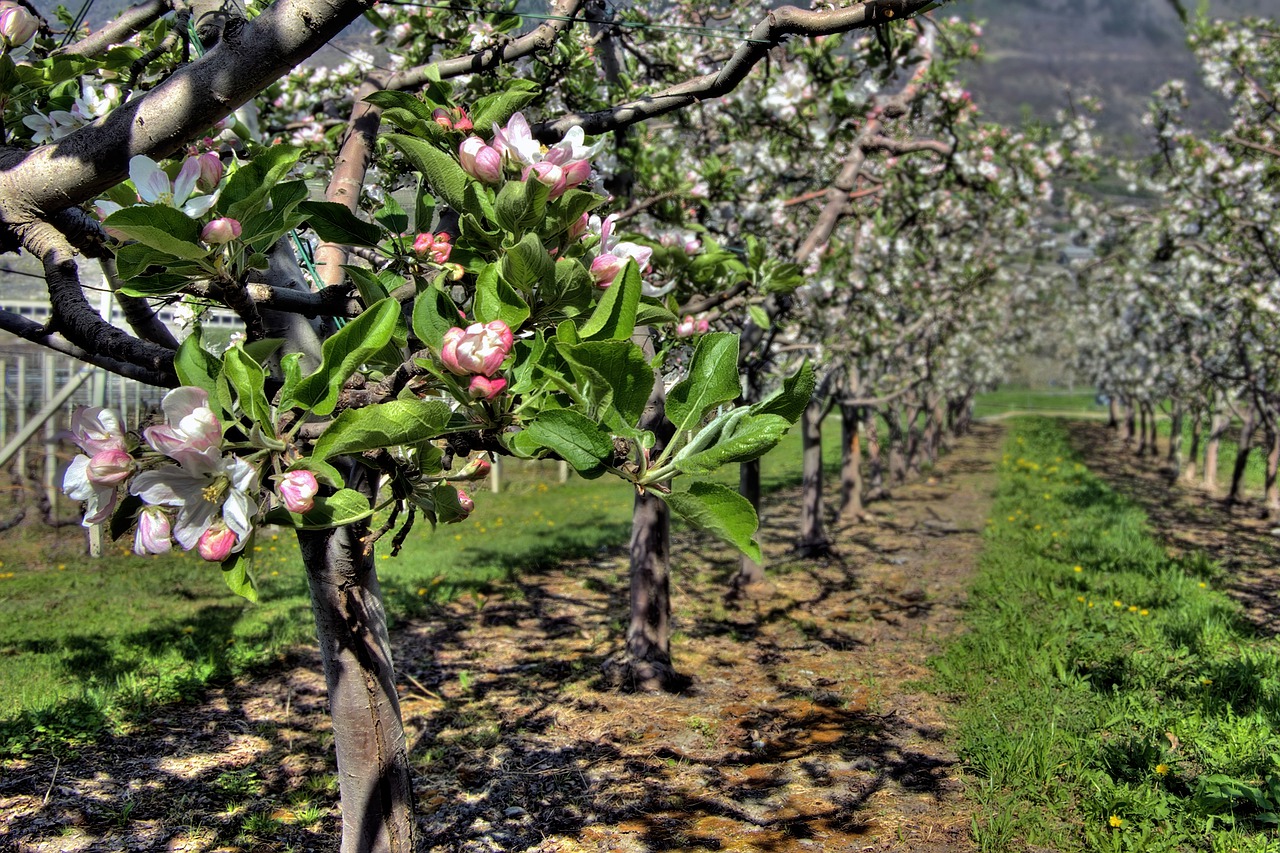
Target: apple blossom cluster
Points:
(478, 352)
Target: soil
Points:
(807, 725)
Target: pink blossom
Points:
(152, 536)
(476, 469)
(441, 117)
(192, 434)
(221, 230)
(17, 25)
(614, 253)
(484, 388)
(298, 490)
(211, 171)
(109, 467)
(479, 349)
(96, 429)
(515, 142)
(216, 543)
(437, 246)
(480, 161)
(578, 228)
(465, 501)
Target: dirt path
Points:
(805, 730)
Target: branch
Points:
(1265, 149)
(85, 163)
(714, 300)
(780, 24)
(31, 331)
(908, 146)
(130, 22)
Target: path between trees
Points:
(806, 729)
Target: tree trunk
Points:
(1127, 432)
(1217, 427)
(1174, 456)
(813, 539)
(897, 448)
(1113, 412)
(1154, 425)
(1193, 453)
(1244, 445)
(851, 508)
(749, 571)
(368, 736)
(646, 662)
(1142, 429)
(875, 459)
(1272, 487)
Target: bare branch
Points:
(31, 331)
(129, 22)
(780, 24)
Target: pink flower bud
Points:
(464, 500)
(462, 121)
(476, 469)
(605, 268)
(17, 25)
(109, 467)
(686, 327)
(484, 388)
(221, 230)
(576, 172)
(216, 543)
(479, 349)
(702, 327)
(551, 175)
(211, 171)
(437, 246)
(441, 117)
(152, 536)
(480, 161)
(577, 229)
(298, 490)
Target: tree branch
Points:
(31, 331)
(130, 22)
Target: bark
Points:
(1193, 453)
(1142, 429)
(851, 508)
(749, 571)
(368, 736)
(813, 538)
(1126, 433)
(1174, 456)
(1217, 427)
(1272, 487)
(1113, 412)
(645, 664)
(875, 461)
(1244, 444)
(897, 448)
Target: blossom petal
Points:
(150, 180)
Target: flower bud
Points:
(576, 172)
(462, 121)
(441, 117)
(605, 268)
(17, 25)
(109, 467)
(297, 490)
(484, 388)
(476, 469)
(478, 349)
(152, 536)
(211, 171)
(686, 327)
(221, 230)
(550, 174)
(578, 228)
(480, 161)
(464, 501)
(216, 543)
(437, 246)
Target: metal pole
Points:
(22, 418)
(24, 434)
(51, 442)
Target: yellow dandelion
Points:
(1203, 585)
(188, 630)
(1206, 681)
(1117, 603)
(386, 556)
(1144, 612)
(1037, 527)
(1133, 608)
(1116, 821)
(1162, 769)
(1080, 598)
(1090, 603)
(275, 574)
(457, 537)
(1078, 569)
(1011, 518)
(422, 590)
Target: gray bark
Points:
(851, 507)
(1244, 444)
(813, 538)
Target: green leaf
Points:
(649, 314)
(341, 354)
(334, 223)
(615, 314)
(498, 300)
(758, 316)
(326, 474)
(495, 109)
(790, 400)
(197, 367)
(622, 365)
(235, 571)
(521, 206)
(383, 425)
(721, 511)
(527, 265)
(569, 293)
(135, 260)
(448, 508)
(249, 380)
(392, 216)
(434, 313)
(162, 228)
(712, 380)
(249, 187)
(753, 436)
(125, 513)
(442, 172)
(345, 506)
(389, 99)
(576, 439)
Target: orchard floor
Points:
(806, 727)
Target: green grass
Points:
(90, 645)
(1010, 399)
(1111, 698)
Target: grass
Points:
(1013, 399)
(90, 645)
(1111, 698)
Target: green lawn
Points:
(1111, 697)
(1036, 400)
